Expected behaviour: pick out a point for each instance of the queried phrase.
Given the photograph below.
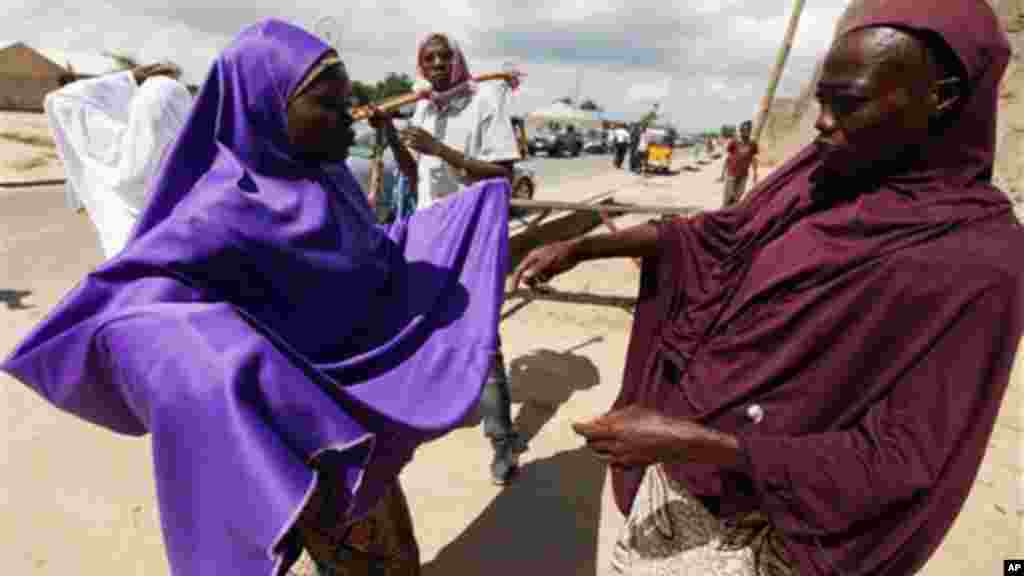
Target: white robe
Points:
(111, 135)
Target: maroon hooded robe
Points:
(874, 330)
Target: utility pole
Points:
(780, 65)
(579, 82)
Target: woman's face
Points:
(319, 122)
(436, 60)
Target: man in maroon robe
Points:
(821, 367)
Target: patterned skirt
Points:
(669, 532)
(382, 544)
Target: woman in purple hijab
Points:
(263, 329)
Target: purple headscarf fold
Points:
(259, 318)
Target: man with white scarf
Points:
(462, 134)
(111, 134)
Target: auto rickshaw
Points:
(659, 151)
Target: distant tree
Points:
(363, 93)
(393, 85)
(728, 130)
(590, 105)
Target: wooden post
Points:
(780, 65)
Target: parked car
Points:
(595, 145)
(556, 143)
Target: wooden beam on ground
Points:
(607, 208)
(537, 219)
(573, 297)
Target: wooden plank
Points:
(618, 208)
(553, 295)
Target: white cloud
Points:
(649, 92)
(631, 53)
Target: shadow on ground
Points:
(543, 380)
(547, 521)
(13, 299)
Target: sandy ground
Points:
(79, 500)
(26, 148)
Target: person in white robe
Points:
(111, 133)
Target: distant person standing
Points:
(620, 139)
(641, 150)
(741, 158)
(111, 134)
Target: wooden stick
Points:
(572, 297)
(395, 102)
(621, 208)
(780, 64)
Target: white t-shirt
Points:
(621, 136)
(477, 125)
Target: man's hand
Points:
(544, 263)
(421, 141)
(636, 436)
(379, 119)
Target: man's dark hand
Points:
(421, 141)
(380, 119)
(544, 263)
(636, 436)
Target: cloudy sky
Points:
(706, 62)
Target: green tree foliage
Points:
(363, 93)
(648, 118)
(393, 85)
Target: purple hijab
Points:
(258, 318)
(875, 332)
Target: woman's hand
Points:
(421, 141)
(544, 263)
(636, 436)
(143, 73)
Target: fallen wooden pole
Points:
(620, 208)
(572, 297)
